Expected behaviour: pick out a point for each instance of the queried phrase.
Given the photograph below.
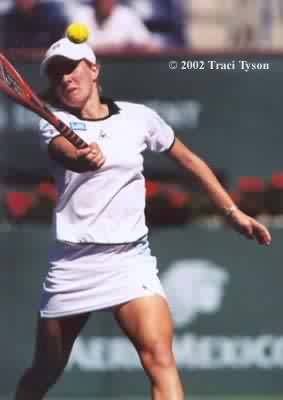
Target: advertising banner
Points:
(225, 295)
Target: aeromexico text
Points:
(192, 352)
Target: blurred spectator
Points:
(253, 26)
(164, 18)
(265, 22)
(114, 26)
(33, 24)
(5, 5)
(80, 11)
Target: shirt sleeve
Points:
(160, 136)
(46, 133)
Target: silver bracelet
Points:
(229, 211)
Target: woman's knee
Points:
(157, 355)
(48, 371)
(45, 376)
(38, 379)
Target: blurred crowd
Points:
(145, 24)
(113, 24)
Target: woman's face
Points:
(73, 81)
(104, 8)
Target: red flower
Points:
(47, 190)
(18, 203)
(178, 199)
(152, 188)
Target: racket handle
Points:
(70, 135)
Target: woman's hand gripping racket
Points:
(14, 86)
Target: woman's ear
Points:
(96, 70)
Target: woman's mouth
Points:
(71, 90)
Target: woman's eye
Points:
(56, 77)
(59, 70)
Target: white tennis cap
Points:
(65, 48)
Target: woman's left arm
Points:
(241, 222)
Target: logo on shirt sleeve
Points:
(78, 126)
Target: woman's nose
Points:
(67, 78)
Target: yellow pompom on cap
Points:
(77, 32)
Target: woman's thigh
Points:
(55, 338)
(146, 321)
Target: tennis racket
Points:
(14, 86)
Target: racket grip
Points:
(70, 135)
(75, 139)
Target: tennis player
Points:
(100, 257)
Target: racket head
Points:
(14, 86)
(12, 83)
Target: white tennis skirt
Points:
(87, 277)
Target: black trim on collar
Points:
(112, 107)
(51, 99)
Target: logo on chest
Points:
(78, 126)
(102, 134)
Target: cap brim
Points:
(46, 62)
(69, 50)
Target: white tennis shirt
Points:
(107, 205)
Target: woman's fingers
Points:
(92, 155)
(261, 233)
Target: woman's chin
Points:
(75, 104)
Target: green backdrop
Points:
(226, 292)
(231, 118)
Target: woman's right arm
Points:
(78, 160)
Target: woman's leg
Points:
(54, 341)
(148, 324)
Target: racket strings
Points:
(10, 80)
